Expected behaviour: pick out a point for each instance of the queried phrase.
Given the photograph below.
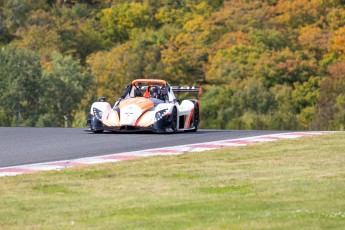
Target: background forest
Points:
(269, 64)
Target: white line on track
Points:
(175, 150)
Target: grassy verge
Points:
(292, 184)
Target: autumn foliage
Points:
(263, 64)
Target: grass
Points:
(290, 184)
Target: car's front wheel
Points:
(95, 125)
(173, 125)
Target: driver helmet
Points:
(155, 91)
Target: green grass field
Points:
(289, 184)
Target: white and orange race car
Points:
(148, 105)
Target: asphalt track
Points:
(20, 146)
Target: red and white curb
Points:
(175, 150)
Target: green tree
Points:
(284, 114)
(249, 104)
(243, 107)
(184, 60)
(15, 12)
(298, 13)
(268, 39)
(214, 102)
(279, 51)
(5, 35)
(65, 86)
(233, 64)
(119, 20)
(68, 30)
(286, 67)
(304, 97)
(20, 78)
(330, 110)
(134, 59)
(79, 31)
(39, 35)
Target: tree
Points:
(135, 59)
(284, 52)
(269, 39)
(79, 31)
(119, 20)
(16, 12)
(304, 99)
(233, 64)
(214, 102)
(65, 86)
(338, 41)
(315, 40)
(336, 17)
(286, 67)
(67, 30)
(20, 89)
(184, 60)
(5, 35)
(284, 114)
(299, 13)
(330, 110)
(40, 34)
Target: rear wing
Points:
(187, 89)
(175, 89)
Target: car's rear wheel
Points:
(196, 118)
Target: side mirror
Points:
(117, 102)
(177, 100)
(101, 99)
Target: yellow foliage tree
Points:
(339, 41)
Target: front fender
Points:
(101, 106)
(162, 117)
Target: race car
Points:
(147, 105)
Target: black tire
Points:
(98, 131)
(196, 118)
(95, 124)
(174, 120)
